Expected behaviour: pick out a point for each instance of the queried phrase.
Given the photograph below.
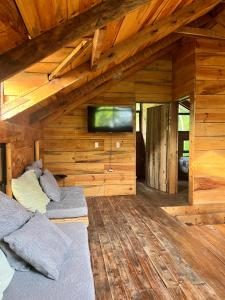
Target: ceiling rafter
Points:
(97, 47)
(66, 102)
(158, 30)
(200, 32)
(76, 52)
(81, 75)
(19, 58)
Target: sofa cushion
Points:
(6, 273)
(75, 279)
(15, 261)
(50, 186)
(12, 215)
(40, 243)
(73, 204)
(37, 167)
(28, 192)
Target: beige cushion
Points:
(6, 273)
(28, 192)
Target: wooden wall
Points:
(20, 147)
(200, 73)
(209, 117)
(152, 84)
(184, 70)
(69, 149)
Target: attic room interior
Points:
(112, 149)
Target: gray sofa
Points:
(72, 205)
(76, 279)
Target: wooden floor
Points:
(140, 252)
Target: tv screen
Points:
(110, 119)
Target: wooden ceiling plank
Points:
(50, 41)
(133, 22)
(128, 67)
(155, 32)
(67, 60)
(42, 15)
(200, 32)
(12, 29)
(78, 77)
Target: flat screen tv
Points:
(110, 119)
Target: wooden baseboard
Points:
(83, 219)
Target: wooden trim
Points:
(37, 150)
(1, 96)
(83, 219)
(173, 149)
(34, 50)
(9, 169)
(191, 148)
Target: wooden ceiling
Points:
(85, 59)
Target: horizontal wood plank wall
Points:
(209, 156)
(152, 84)
(184, 70)
(184, 86)
(68, 148)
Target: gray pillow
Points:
(50, 186)
(12, 215)
(42, 244)
(16, 262)
(37, 167)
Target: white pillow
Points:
(27, 191)
(6, 273)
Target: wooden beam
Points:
(97, 46)
(34, 50)
(200, 32)
(114, 56)
(157, 31)
(65, 103)
(72, 56)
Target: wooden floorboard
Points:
(138, 251)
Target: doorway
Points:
(152, 126)
(183, 145)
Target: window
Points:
(183, 119)
(186, 148)
(3, 167)
(138, 116)
(184, 128)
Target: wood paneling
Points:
(152, 84)
(183, 70)
(202, 64)
(69, 149)
(20, 148)
(209, 157)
